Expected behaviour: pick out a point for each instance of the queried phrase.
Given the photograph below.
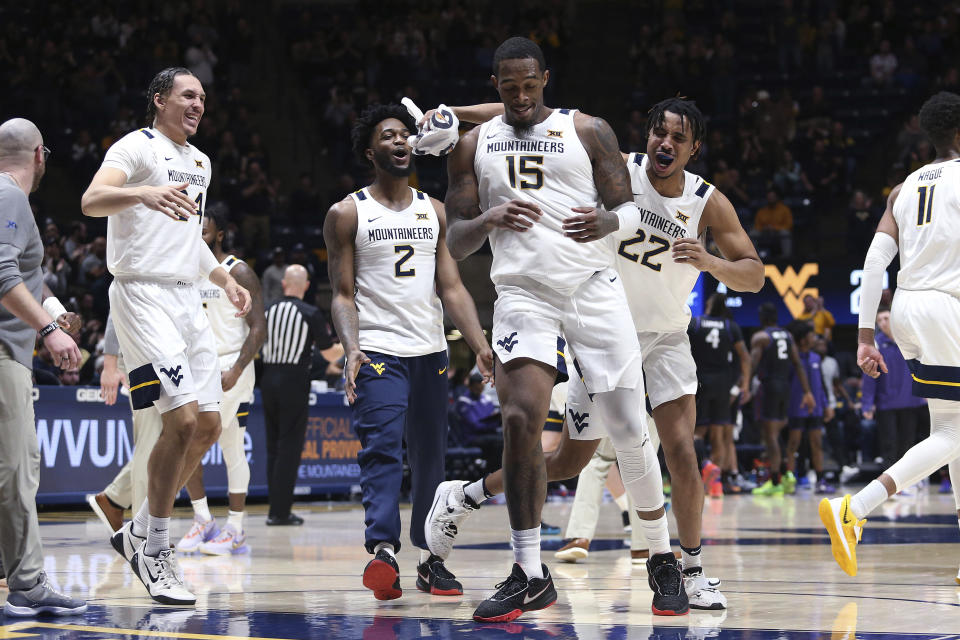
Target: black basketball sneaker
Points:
(515, 595)
(434, 578)
(382, 576)
(666, 581)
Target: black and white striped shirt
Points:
(293, 327)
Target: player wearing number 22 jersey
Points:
(392, 279)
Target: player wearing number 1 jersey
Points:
(392, 279)
(772, 355)
(152, 186)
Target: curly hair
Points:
(689, 114)
(162, 83)
(940, 119)
(368, 121)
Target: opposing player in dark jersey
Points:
(722, 361)
(802, 419)
(773, 354)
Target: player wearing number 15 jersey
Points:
(392, 279)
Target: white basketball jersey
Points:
(927, 212)
(657, 287)
(229, 330)
(549, 167)
(395, 260)
(141, 242)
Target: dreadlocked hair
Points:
(161, 84)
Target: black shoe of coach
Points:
(291, 520)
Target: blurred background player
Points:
(803, 420)
(393, 279)
(238, 341)
(151, 187)
(723, 362)
(919, 223)
(773, 355)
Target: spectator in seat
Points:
(819, 318)
(774, 223)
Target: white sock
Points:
(526, 551)
(622, 502)
(424, 555)
(200, 509)
(657, 533)
(868, 499)
(158, 536)
(691, 557)
(387, 546)
(476, 491)
(235, 519)
(141, 520)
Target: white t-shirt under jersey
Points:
(927, 212)
(657, 287)
(395, 260)
(229, 330)
(141, 242)
(548, 166)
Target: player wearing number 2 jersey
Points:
(152, 185)
(392, 279)
(772, 355)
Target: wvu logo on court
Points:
(379, 367)
(579, 420)
(792, 286)
(174, 374)
(508, 342)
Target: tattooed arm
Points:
(339, 231)
(611, 178)
(468, 227)
(256, 320)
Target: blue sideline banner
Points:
(84, 443)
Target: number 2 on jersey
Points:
(925, 205)
(781, 349)
(398, 270)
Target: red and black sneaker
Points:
(434, 578)
(516, 595)
(382, 576)
(666, 581)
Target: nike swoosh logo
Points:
(613, 278)
(527, 599)
(440, 373)
(493, 135)
(167, 159)
(372, 219)
(845, 516)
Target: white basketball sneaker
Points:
(125, 542)
(448, 511)
(199, 533)
(161, 577)
(226, 542)
(702, 592)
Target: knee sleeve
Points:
(940, 448)
(640, 472)
(623, 415)
(235, 458)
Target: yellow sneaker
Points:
(769, 489)
(844, 529)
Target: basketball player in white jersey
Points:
(238, 341)
(152, 185)
(392, 279)
(677, 208)
(921, 223)
(532, 181)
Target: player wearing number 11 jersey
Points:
(392, 279)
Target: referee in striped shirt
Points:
(293, 327)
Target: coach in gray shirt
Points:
(23, 161)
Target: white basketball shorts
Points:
(926, 327)
(167, 344)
